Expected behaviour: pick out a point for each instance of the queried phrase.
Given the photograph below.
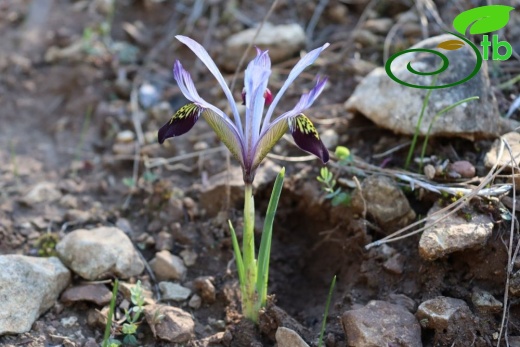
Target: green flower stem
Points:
(440, 113)
(419, 122)
(249, 297)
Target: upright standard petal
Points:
(307, 60)
(306, 137)
(255, 85)
(181, 122)
(291, 120)
(305, 102)
(203, 55)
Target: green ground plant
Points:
(326, 313)
(132, 317)
(328, 182)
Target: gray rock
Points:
(167, 266)
(379, 25)
(485, 302)
(206, 289)
(289, 338)
(29, 286)
(384, 201)
(282, 41)
(195, 302)
(492, 156)
(397, 107)
(100, 253)
(438, 312)
(174, 324)
(365, 38)
(97, 293)
(329, 138)
(189, 256)
(454, 233)
(380, 323)
(46, 192)
(149, 95)
(402, 300)
(174, 291)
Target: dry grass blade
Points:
(510, 255)
(448, 210)
(155, 162)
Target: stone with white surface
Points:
(29, 286)
(100, 253)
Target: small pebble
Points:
(174, 291)
(69, 322)
(125, 136)
(189, 257)
(195, 302)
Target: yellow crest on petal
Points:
(184, 112)
(304, 125)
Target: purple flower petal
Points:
(227, 134)
(307, 60)
(306, 137)
(201, 53)
(181, 122)
(256, 77)
(305, 102)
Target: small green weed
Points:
(46, 245)
(326, 178)
(327, 305)
(132, 317)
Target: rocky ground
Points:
(88, 195)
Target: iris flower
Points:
(249, 144)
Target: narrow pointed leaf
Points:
(181, 122)
(306, 137)
(483, 19)
(267, 235)
(451, 45)
(226, 133)
(268, 140)
(238, 255)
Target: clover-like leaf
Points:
(482, 20)
(451, 45)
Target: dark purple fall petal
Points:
(306, 137)
(181, 122)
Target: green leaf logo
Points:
(451, 45)
(482, 20)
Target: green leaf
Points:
(106, 338)
(238, 256)
(265, 243)
(342, 152)
(130, 340)
(129, 329)
(483, 19)
(341, 199)
(114, 343)
(327, 304)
